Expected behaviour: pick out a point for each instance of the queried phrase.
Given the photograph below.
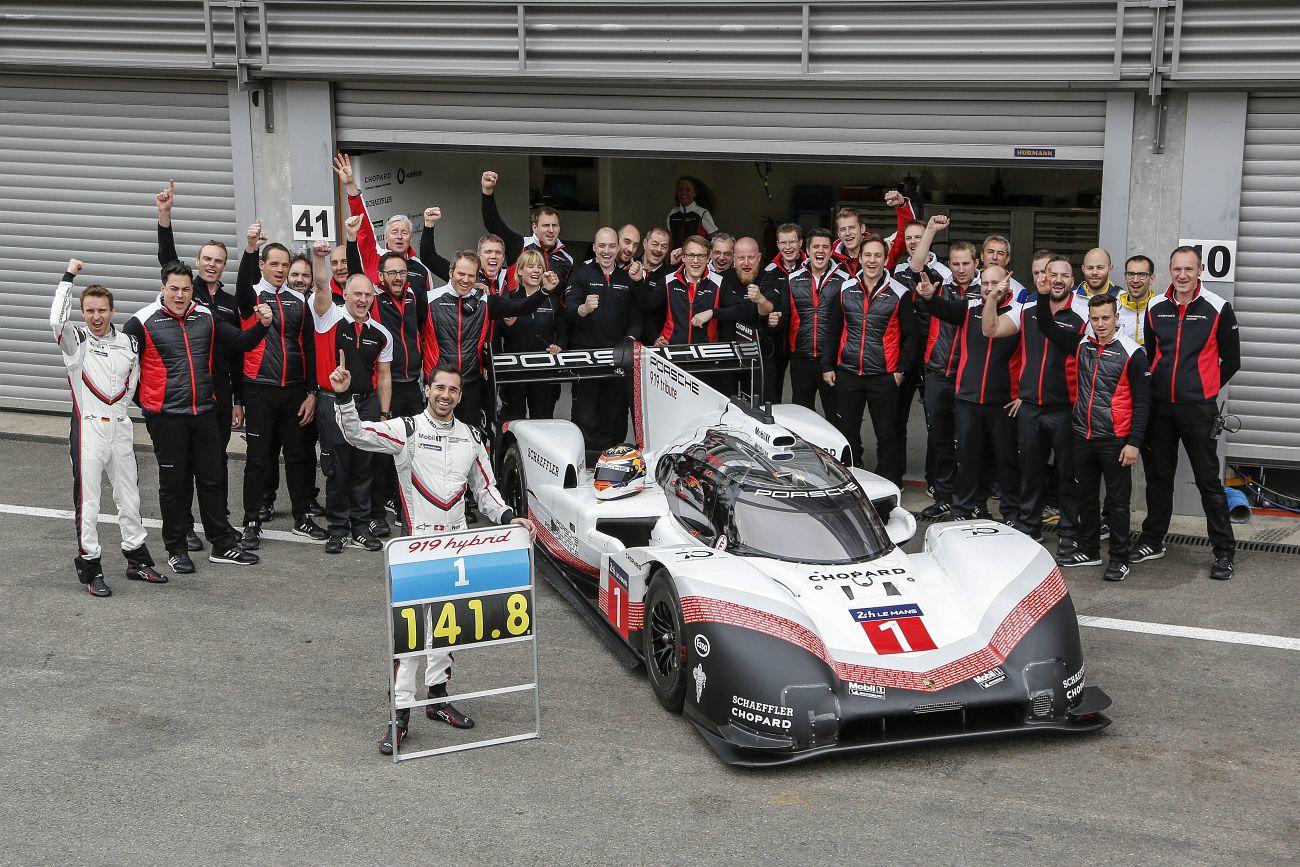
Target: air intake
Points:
(940, 707)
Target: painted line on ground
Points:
(1223, 636)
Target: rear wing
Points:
(577, 365)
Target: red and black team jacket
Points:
(1048, 372)
(1195, 347)
(987, 372)
(285, 357)
(1113, 395)
(176, 355)
(897, 245)
(371, 250)
(940, 340)
(458, 327)
(404, 315)
(870, 331)
(557, 258)
(684, 299)
(807, 299)
(364, 345)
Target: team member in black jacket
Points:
(491, 252)
(694, 299)
(601, 308)
(776, 283)
(871, 333)
(810, 290)
(1111, 410)
(1042, 409)
(985, 385)
(208, 291)
(545, 237)
(656, 265)
(543, 330)
(1195, 348)
(177, 340)
(276, 376)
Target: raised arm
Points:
(920, 258)
(903, 214)
(492, 218)
(951, 310)
(61, 309)
(513, 304)
(992, 323)
(368, 246)
(1063, 338)
(245, 294)
(320, 265)
(386, 437)
(166, 239)
(437, 265)
(247, 338)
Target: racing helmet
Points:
(620, 472)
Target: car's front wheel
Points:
(512, 485)
(662, 642)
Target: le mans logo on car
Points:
(894, 628)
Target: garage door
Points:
(83, 159)
(837, 124)
(1266, 394)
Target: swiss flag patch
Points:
(894, 628)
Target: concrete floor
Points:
(231, 717)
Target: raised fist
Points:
(489, 182)
(352, 225)
(75, 266)
(255, 236)
(893, 198)
(635, 272)
(550, 280)
(675, 256)
(431, 216)
(322, 248)
(938, 222)
(753, 293)
(592, 302)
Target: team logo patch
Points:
(894, 628)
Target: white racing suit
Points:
(436, 465)
(103, 373)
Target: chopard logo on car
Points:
(776, 716)
(866, 690)
(548, 465)
(862, 577)
(990, 678)
(792, 495)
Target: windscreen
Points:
(835, 525)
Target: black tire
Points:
(511, 480)
(662, 642)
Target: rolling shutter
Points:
(83, 160)
(768, 123)
(1266, 394)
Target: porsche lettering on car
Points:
(762, 584)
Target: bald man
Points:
(1096, 275)
(629, 241)
(601, 310)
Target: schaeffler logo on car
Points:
(1073, 685)
(894, 628)
(773, 716)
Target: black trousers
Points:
(1096, 460)
(600, 412)
(1043, 431)
(939, 395)
(225, 415)
(1191, 425)
(806, 384)
(310, 447)
(347, 468)
(271, 418)
(536, 400)
(982, 427)
(407, 399)
(907, 390)
(470, 408)
(878, 395)
(774, 370)
(187, 447)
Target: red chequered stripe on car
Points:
(561, 553)
(699, 609)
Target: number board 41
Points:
(313, 223)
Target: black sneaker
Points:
(141, 572)
(251, 538)
(936, 511)
(266, 513)
(1147, 551)
(234, 556)
(395, 734)
(310, 529)
(334, 545)
(181, 563)
(390, 505)
(446, 712)
(316, 510)
(365, 540)
(99, 587)
(379, 529)
(1222, 568)
(1078, 558)
(1115, 572)
(1065, 548)
(192, 542)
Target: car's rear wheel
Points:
(512, 485)
(662, 642)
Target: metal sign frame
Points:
(425, 605)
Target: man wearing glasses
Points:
(1139, 278)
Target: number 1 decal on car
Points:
(894, 628)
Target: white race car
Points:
(760, 580)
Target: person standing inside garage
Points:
(870, 336)
(776, 276)
(103, 371)
(177, 340)
(691, 216)
(601, 308)
(545, 239)
(810, 291)
(1111, 414)
(397, 234)
(1195, 349)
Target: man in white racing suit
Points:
(103, 370)
(438, 459)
